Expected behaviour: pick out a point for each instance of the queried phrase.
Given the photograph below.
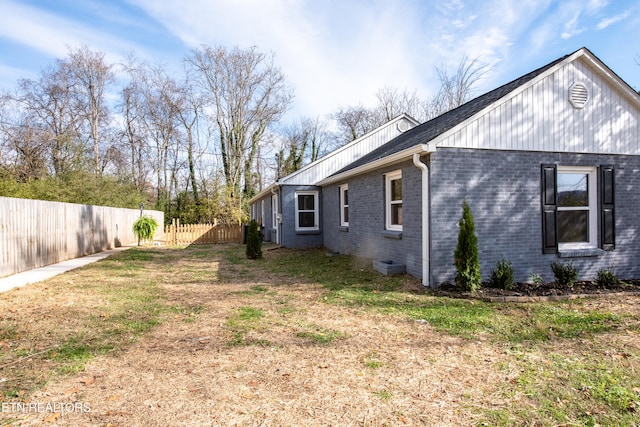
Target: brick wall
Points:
(290, 237)
(503, 190)
(365, 235)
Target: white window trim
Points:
(316, 215)
(343, 205)
(262, 212)
(274, 211)
(391, 176)
(592, 194)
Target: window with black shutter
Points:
(572, 209)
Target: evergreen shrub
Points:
(465, 257)
(607, 278)
(565, 273)
(502, 275)
(254, 241)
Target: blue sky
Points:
(333, 52)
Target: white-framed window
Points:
(274, 211)
(393, 200)
(307, 217)
(577, 221)
(262, 212)
(344, 205)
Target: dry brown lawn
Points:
(292, 360)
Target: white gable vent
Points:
(403, 125)
(578, 95)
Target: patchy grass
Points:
(204, 336)
(319, 335)
(384, 394)
(76, 317)
(245, 320)
(189, 313)
(571, 386)
(372, 361)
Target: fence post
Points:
(174, 231)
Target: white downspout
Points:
(275, 193)
(425, 217)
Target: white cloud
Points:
(338, 55)
(31, 27)
(450, 5)
(496, 26)
(571, 27)
(10, 75)
(461, 24)
(333, 53)
(612, 20)
(596, 5)
(53, 35)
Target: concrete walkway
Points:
(43, 273)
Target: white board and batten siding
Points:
(35, 233)
(349, 153)
(540, 117)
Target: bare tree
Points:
(354, 122)
(247, 93)
(188, 109)
(150, 109)
(65, 108)
(91, 76)
(22, 152)
(160, 120)
(303, 142)
(455, 90)
(49, 104)
(392, 103)
(133, 132)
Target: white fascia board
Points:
(376, 164)
(612, 77)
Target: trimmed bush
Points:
(565, 273)
(465, 257)
(607, 278)
(144, 228)
(254, 241)
(502, 276)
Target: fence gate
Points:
(200, 234)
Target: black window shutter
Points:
(549, 207)
(607, 210)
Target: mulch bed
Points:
(542, 291)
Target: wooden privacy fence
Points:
(200, 234)
(35, 233)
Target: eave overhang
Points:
(376, 164)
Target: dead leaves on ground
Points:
(52, 418)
